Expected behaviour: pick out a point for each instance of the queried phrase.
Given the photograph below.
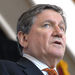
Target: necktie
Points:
(50, 71)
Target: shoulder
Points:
(7, 64)
(9, 68)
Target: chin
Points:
(59, 53)
(59, 56)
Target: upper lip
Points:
(59, 42)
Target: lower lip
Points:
(57, 45)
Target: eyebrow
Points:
(52, 22)
(62, 22)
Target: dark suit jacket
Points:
(8, 48)
(22, 67)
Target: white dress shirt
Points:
(38, 63)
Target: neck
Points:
(50, 61)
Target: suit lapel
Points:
(28, 67)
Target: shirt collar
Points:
(38, 63)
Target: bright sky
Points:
(69, 10)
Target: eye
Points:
(62, 29)
(46, 25)
(62, 26)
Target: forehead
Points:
(48, 14)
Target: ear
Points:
(22, 39)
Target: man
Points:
(41, 38)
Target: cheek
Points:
(40, 37)
(64, 40)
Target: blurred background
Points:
(10, 11)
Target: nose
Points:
(57, 32)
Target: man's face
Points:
(47, 35)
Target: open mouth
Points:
(58, 43)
